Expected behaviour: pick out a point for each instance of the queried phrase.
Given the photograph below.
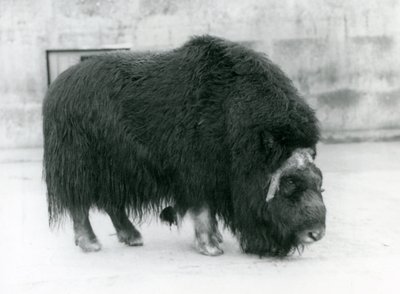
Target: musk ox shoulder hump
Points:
(243, 59)
(282, 110)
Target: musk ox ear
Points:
(299, 159)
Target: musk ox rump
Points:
(211, 128)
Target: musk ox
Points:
(212, 128)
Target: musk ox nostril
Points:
(315, 235)
(310, 236)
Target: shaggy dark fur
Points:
(168, 215)
(203, 125)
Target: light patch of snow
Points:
(359, 254)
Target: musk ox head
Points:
(293, 212)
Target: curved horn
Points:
(274, 184)
(299, 159)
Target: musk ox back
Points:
(212, 128)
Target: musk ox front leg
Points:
(126, 231)
(84, 235)
(207, 235)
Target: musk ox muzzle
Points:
(212, 129)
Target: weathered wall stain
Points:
(390, 99)
(154, 7)
(390, 76)
(342, 99)
(307, 78)
(296, 47)
(359, 111)
(380, 43)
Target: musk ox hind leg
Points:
(207, 235)
(126, 231)
(84, 235)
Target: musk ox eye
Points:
(287, 186)
(287, 182)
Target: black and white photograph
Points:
(199, 146)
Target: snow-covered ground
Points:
(359, 254)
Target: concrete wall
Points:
(342, 54)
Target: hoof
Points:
(130, 238)
(87, 244)
(210, 250)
